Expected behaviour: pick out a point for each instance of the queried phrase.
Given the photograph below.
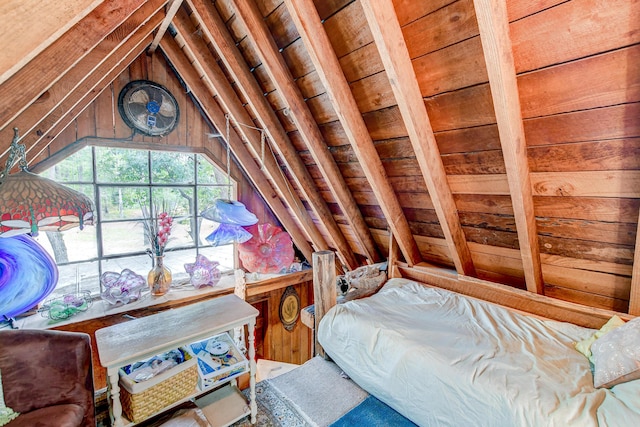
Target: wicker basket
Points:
(141, 400)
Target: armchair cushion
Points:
(48, 369)
(70, 415)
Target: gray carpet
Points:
(319, 391)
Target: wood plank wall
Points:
(578, 74)
(100, 124)
(578, 71)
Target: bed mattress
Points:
(443, 359)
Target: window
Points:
(120, 181)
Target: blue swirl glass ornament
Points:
(28, 274)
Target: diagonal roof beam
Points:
(172, 9)
(214, 113)
(32, 80)
(324, 59)
(248, 13)
(214, 29)
(76, 82)
(498, 54)
(388, 37)
(229, 101)
(68, 111)
(17, 19)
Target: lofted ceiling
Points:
(499, 140)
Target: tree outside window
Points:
(121, 181)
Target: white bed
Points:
(442, 359)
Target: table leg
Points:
(252, 371)
(115, 408)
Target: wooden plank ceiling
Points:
(499, 140)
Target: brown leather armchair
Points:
(47, 377)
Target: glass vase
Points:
(159, 278)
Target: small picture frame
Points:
(289, 308)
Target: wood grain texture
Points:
(573, 29)
(324, 288)
(23, 41)
(496, 43)
(27, 84)
(399, 70)
(514, 298)
(328, 67)
(212, 24)
(44, 120)
(234, 107)
(300, 113)
(179, 60)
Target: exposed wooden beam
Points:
(172, 9)
(388, 37)
(496, 45)
(231, 103)
(68, 111)
(22, 40)
(40, 117)
(214, 29)
(32, 80)
(634, 297)
(511, 297)
(392, 266)
(324, 59)
(215, 114)
(298, 110)
(324, 291)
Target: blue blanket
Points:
(371, 412)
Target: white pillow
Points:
(616, 355)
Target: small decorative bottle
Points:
(159, 278)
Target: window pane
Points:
(223, 254)
(210, 174)
(120, 165)
(139, 264)
(125, 186)
(181, 235)
(67, 279)
(206, 228)
(86, 189)
(71, 245)
(172, 168)
(122, 202)
(76, 168)
(177, 201)
(123, 237)
(175, 261)
(207, 195)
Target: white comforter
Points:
(442, 359)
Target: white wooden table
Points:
(126, 343)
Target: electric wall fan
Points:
(148, 108)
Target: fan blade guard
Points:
(148, 108)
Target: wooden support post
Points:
(324, 289)
(392, 261)
(240, 291)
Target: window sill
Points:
(256, 284)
